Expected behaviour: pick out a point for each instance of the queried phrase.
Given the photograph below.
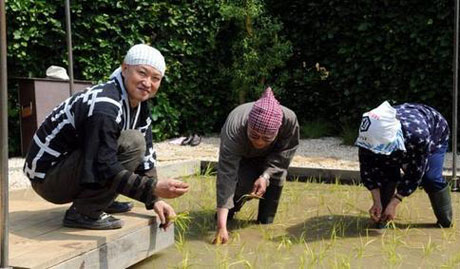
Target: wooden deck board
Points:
(38, 239)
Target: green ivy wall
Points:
(328, 60)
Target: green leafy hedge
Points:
(102, 33)
(373, 51)
(327, 60)
(201, 42)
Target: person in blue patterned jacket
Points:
(98, 144)
(408, 137)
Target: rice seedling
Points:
(247, 197)
(390, 244)
(393, 257)
(185, 263)
(285, 242)
(449, 234)
(429, 247)
(180, 242)
(209, 170)
(245, 263)
(452, 262)
(236, 237)
(267, 233)
(362, 247)
(341, 262)
(181, 221)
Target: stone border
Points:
(326, 175)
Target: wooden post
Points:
(4, 218)
(455, 102)
(69, 44)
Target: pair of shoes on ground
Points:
(192, 140)
(104, 221)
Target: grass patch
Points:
(349, 134)
(316, 129)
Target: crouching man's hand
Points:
(170, 188)
(165, 212)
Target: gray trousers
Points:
(249, 171)
(62, 182)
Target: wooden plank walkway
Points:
(38, 239)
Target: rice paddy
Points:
(317, 226)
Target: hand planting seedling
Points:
(181, 221)
(248, 197)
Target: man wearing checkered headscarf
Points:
(258, 142)
(266, 114)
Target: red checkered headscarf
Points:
(266, 115)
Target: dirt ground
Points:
(317, 226)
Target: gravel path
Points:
(315, 153)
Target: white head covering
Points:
(57, 72)
(380, 131)
(144, 54)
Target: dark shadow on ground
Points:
(327, 227)
(341, 226)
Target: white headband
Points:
(144, 54)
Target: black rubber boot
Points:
(269, 204)
(442, 206)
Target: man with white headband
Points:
(258, 142)
(98, 144)
(411, 137)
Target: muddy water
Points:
(317, 225)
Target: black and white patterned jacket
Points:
(91, 121)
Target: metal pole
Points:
(455, 101)
(4, 233)
(69, 44)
